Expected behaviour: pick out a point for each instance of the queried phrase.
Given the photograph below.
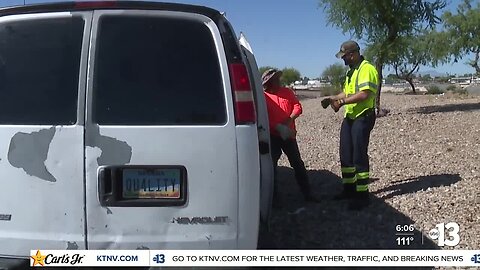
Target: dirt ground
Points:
(425, 169)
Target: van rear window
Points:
(156, 71)
(39, 70)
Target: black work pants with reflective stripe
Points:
(290, 148)
(354, 140)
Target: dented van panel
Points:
(208, 154)
(126, 225)
(134, 123)
(42, 165)
(30, 158)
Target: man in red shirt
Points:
(283, 108)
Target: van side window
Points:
(156, 71)
(39, 71)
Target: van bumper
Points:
(14, 264)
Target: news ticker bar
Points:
(226, 258)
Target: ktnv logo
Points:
(476, 258)
(159, 258)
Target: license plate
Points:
(151, 184)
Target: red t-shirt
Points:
(280, 106)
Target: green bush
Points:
(461, 91)
(434, 90)
(452, 88)
(457, 90)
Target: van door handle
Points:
(263, 147)
(105, 185)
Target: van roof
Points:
(95, 5)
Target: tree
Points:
(416, 52)
(335, 74)
(413, 52)
(290, 75)
(264, 68)
(463, 33)
(426, 78)
(381, 23)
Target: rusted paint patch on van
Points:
(113, 151)
(72, 246)
(29, 151)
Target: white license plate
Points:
(151, 184)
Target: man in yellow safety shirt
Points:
(358, 99)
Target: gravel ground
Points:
(425, 169)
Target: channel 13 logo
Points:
(446, 234)
(476, 258)
(159, 258)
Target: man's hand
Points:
(336, 104)
(326, 102)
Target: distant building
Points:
(310, 85)
(465, 81)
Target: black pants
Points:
(290, 148)
(354, 139)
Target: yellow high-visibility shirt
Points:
(364, 77)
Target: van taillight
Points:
(95, 4)
(242, 94)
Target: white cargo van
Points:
(129, 125)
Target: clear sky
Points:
(287, 33)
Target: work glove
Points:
(284, 131)
(336, 104)
(326, 102)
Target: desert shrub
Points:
(434, 90)
(461, 91)
(457, 90)
(451, 88)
